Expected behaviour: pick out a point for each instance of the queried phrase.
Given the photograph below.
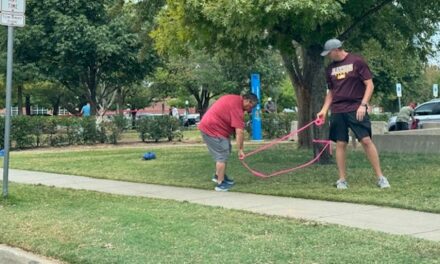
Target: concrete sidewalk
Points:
(10, 255)
(389, 220)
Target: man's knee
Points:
(366, 141)
(341, 144)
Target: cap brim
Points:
(325, 52)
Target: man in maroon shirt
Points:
(350, 87)
(225, 117)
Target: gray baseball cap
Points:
(330, 45)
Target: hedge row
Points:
(274, 125)
(37, 131)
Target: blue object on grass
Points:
(149, 156)
(2, 153)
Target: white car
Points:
(428, 112)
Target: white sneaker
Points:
(341, 184)
(383, 182)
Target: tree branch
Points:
(361, 18)
(288, 63)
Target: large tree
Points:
(90, 47)
(204, 76)
(298, 30)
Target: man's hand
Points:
(241, 154)
(360, 113)
(322, 115)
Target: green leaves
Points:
(90, 47)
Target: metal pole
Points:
(400, 104)
(257, 133)
(8, 109)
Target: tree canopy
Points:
(90, 47)
(298, 30)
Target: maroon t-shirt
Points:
(223, 117)
(345, 81)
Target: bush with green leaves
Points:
(71, 128)
(159, 127)
(88, 132)
(38, 131)
(380, 117)
(111, 131)
(273, 125)
(276, 125)
(22, 132)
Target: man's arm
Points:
(362, 110)
(327, 102)
(411, 114)
(369, 88)
(239, 134)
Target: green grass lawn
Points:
(89, 227)
(415, 179)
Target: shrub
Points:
(379, 117)
(71, 126)
(88, 131)
(51, 128)
(22, 132)
(142, 127)
(111, 131)
(276, 125)
(158, 127)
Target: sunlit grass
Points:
(414, 178)
(89, 227)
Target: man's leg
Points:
(405, 126)
(341, 148)
(373, 156)
(220, 168)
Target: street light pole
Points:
(8, 110)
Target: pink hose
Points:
(327, 144)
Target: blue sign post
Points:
(256, 112)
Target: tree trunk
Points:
(307, 75)
(133, 118)
(314, 77)
(56, 106)
(120, 101)
(28, 105)
(303, 99)
(202, 101)
(20, 99)
(92, 85)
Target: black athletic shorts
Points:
(340, 122)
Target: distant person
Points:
(405, 115)
(269, 106)
(175, 112)
(224, 118)
(85, 110)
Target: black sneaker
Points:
(226, 179)
(222, 187)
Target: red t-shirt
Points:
(223, 117)
(345, 80)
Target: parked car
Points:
(190, 120)
(428, 112)
(141, 115)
